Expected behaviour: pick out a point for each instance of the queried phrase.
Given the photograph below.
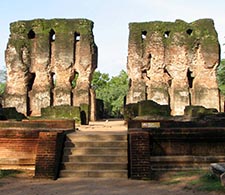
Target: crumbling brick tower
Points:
(174, 63)
(49, 62)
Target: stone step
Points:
(96, 150)
(95, 158)
(122, 143)
(94, 166)
(94, 174)
(78, 137)
(92, 154)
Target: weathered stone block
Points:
(151, 108)
(130, 111)
(62, 112)
(198, 111)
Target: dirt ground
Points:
(28, 186)
(24, 184)
(103, 126)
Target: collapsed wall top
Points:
(49, 62)
(174, 63)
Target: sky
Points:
(111, 19)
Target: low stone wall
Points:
(35, 145)
(78, 113)
(157, 149)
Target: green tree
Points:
(111, 91)
(2, 81)
(221, 76)
(99, 83)
(118, 87)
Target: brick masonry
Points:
(49, 152)
(18, 147)
(35, 145)
(164, 149)
(139, 152)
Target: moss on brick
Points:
(202, 31)
(130, 111)
(151, 108)
(20, 29)
(61, 112)
(198, 111)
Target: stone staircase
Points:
(95, 154)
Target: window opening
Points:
(76, 36)
(52, 35)
(31, 78)
(75, 45)
(30, 82)
(53, 84)
(190, 78)
(73, 80)
(166, 34)
(143, 35)
(189, 31)
(31, 34)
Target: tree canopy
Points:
(2, 81)
(221, 76)
(111, 90)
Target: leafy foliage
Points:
(2, 81)
(221, 76)
(111, 90)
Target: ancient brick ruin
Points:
(49, 63)
(174, 64)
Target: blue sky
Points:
(111, 20)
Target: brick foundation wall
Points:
(34, 145)
(18, 149)
(165, 149)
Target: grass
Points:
(206, 182)
(6, 173)
(195, 180)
